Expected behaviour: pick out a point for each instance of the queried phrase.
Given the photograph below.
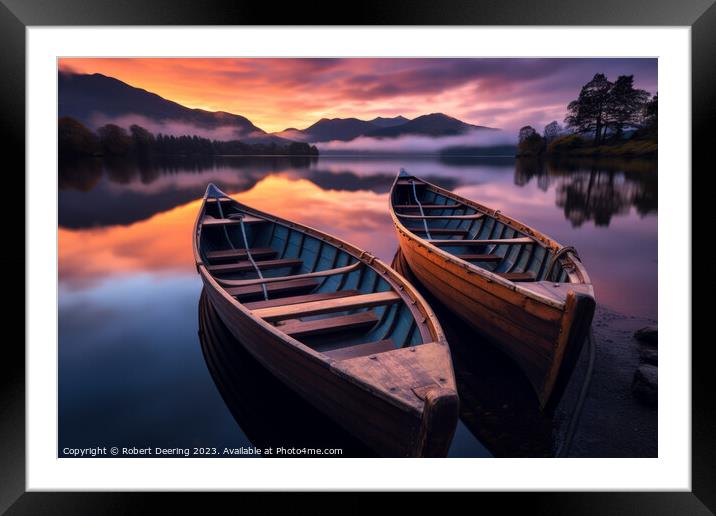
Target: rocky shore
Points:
(619, 415)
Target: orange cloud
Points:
(277, 93)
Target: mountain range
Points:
(96, 99)
(347, 129)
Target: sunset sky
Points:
(276, 94)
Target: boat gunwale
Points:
(424, 317)
(550, 245)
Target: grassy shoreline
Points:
(576, 146)
(645, 149)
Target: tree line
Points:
(604, 113)
(75, 139)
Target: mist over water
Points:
(418, 145)
(173, 127)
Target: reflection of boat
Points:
(268, 412)
(525, 291)
(497, 402)
(336, 325)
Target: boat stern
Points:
(575, 328)
(417, 381)
(437, 426)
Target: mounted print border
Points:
(15, 16)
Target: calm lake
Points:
(132, 371)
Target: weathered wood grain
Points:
(276, 313)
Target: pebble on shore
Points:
(647, 335)
(649, 356)
(645, 385)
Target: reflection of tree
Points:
(594, 189)
(594, 195)
(528, 167)
(645, 200)
(379, 182)
(120, 170)
(79, 174)
(108, 205)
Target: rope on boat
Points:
(251, 258)
(562, 251)
(246, 246)
(563, 450)
(420, 206)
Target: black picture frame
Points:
(17, 15)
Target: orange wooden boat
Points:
(336, 325)
(527, 293)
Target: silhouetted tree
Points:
(114, 140)
(551, 131)
(74, 139)
(605, 107)
(651, 111)
(526, 132)
(530, 143)
(625, 105)
(589, 112)
(142, 140)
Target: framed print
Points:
(434, 250)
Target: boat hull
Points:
(388, 429)
(544, 340)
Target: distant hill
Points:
(88, 98)
(347, 129)
(389, 122)
(343, 129)
(435, 124)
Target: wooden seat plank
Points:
(361, 350)
(342, 323)
(498, 241)
(211, 221)
(294, 300)
(440, 231)
(479, 257)
(517, 276)
(233, 254)
(427, 206)
(471, 216)
(279, 279)
(248, 266)
(276, 313)
(273, 288)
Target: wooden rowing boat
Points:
(529, 294)
(332, 322)
(270, 414)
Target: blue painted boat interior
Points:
(520, 258)
(395, 322)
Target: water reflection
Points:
(497, 403)
(585, 190)
(268, 412)
(129, 290)
(594, 190)
(119, 216)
